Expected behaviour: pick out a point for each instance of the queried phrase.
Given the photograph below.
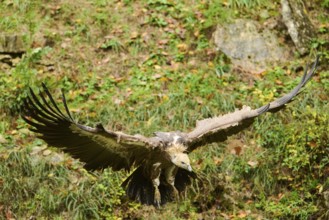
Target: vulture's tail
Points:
(140, 188)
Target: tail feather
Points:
(140, 188)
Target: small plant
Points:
(112, 44)
(246, 3)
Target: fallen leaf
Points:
(134, 35)
(182, 47)
(157, 67)
(278, 82)
(9, 214)
(199, 100)
(23, 131)
(73, 179)
(117, 101)
(217, 160)
(253, 164)
(46, 152)
(196, 33)
(105, 61)
(36, 150)
(312, 144)
(157, 75)
(163, 41)
(243, 214)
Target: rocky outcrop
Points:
(298, 24)
(249, 48)
(11, 43)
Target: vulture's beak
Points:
(189, 168)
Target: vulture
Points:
(161, 168)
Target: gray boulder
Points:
(249, 48)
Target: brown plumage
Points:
(163, 169)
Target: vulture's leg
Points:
(155, 176)
(170, 178)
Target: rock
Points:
(11, 43)
(15, 61)
(4, 67)
(298, 24)
(6, 62)
(5, 58)
(249, 49)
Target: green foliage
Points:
(289, 206)
(15, 84)
(40, 188)
(325, 3)
(112, 44)
(20, 14)
(246, 3)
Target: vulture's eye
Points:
(183, 162)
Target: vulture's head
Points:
(181, 160)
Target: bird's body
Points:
(162, 168)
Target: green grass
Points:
(50, 190)
(146, 66)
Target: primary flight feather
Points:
(163, 168)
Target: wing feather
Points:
(97, 147)
(220, 128)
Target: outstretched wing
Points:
(97, 147)
(219, 128)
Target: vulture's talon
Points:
(176, 194)
(157, 198)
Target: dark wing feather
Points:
(219, 128)
(97, 147)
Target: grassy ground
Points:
(147, 66)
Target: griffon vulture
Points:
(162, 166)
